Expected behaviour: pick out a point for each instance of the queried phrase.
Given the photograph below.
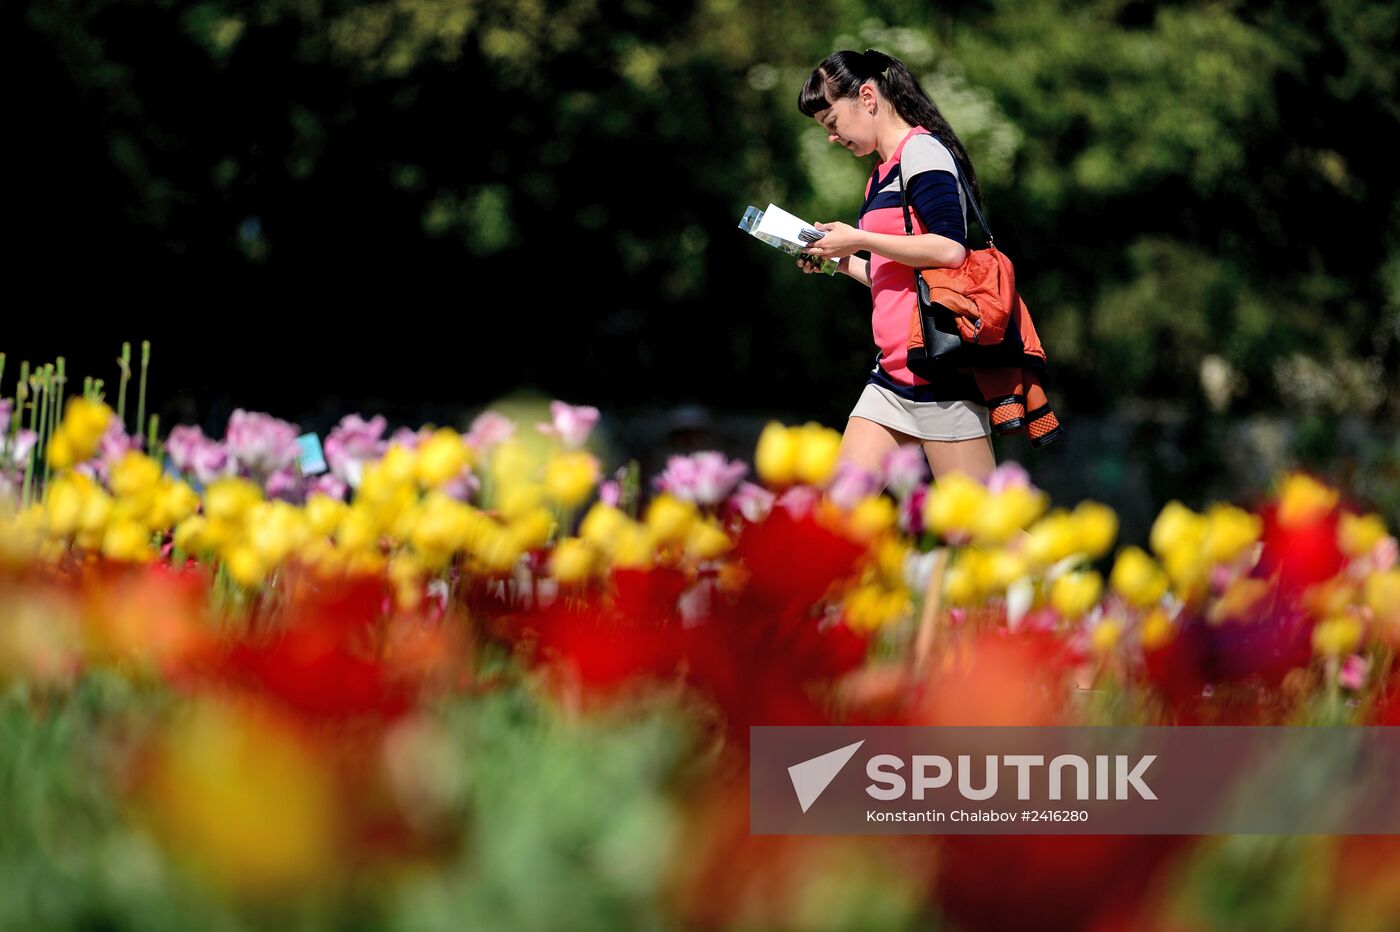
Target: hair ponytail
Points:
(842, 73)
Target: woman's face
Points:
(847, 123)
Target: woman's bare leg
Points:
(972, 457)
(866, 444)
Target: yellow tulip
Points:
(174, 501)
(519, 498)
(1357, 535)
(245, 566)
(1073, 594)
(1329, 598)
(84, 423)
(818, 451)
(399, 465)
(634, 547)
(498, 550)
(532, 530)
(60, 451)
(1137, 578)
(1383, 596)
(1008, 512)
(601, 526)
(230, 499)
(63, 504)
(867, 608)
(775, 459)
(442, 457)
(442, 525)
(512, 462)
(1001, 568)
(323, 513)
(569, 477)
(890, 557)
(961, 583)
(1175, 526)
(275, 530)
(1337, 636)
(1230, 531)
(1240, 601)
(573, 561)
(1052, 539)
(1096, 526)
(357, 530)
(1105, 635)
(706, 540)
(953, 505)
(669, 519)
(190, 537)
(239, 795)
(1157, 630)
(127, 540)
(871, 517)
(1303, 500)
(134, 473)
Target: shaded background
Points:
(414, 207)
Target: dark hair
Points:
(842, 73)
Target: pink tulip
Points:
(352, 443)
(182, 444)
(23, 443)
(328, 484)
(911, 511)
(572, 425)
(285, 484)
(851, 484)
(704, 478)
(489, 429)
(1008, 476)
(752, 501)
(463, 487)
(906, 468)
(610, 493)
(210, 461)
(1354, 672)
(261, 442)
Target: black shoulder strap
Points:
(967, 190)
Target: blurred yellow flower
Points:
(868, 607)
(1240, 601)
(84, 422)
(230, 499)
(872, 516)
(1176, 527)
(1230, 531)
(519, 498)
(442, 457)
(1096, 526)
(962, 580)
(573, 561)
(498, 550)
(241, 796)
(1104, 636)
(706, 540)
(1383, 596)
(1157, 630)
(634, 547)
(1073, 594)
(532, 530)
(1052, 538)
(1337, 636)
(323, 513)
(569, 477)
(954, 504)
(669, 519)
(1357, 535)
(245, 566)
(1008, 512)
(1137, 578)
(127, 540)
(1303, 500)
(998, 569)
(63, 503)
(134, 473)
(601, 526)
(512, 462)
(357, 529)
(174, 501)
(1331, 597)
(818, 451)
(775, 459)
(190, 537)
(275, 529)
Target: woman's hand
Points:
(841, 240)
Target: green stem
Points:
(151, 438)
(141, 398)
(125, 365)
(46, 421)
(2, 371)
(33, 426)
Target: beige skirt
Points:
(924, 420)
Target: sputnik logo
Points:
(811, 777)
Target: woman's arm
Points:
(926, 250)
(857, 268)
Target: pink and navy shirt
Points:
(936, 205)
